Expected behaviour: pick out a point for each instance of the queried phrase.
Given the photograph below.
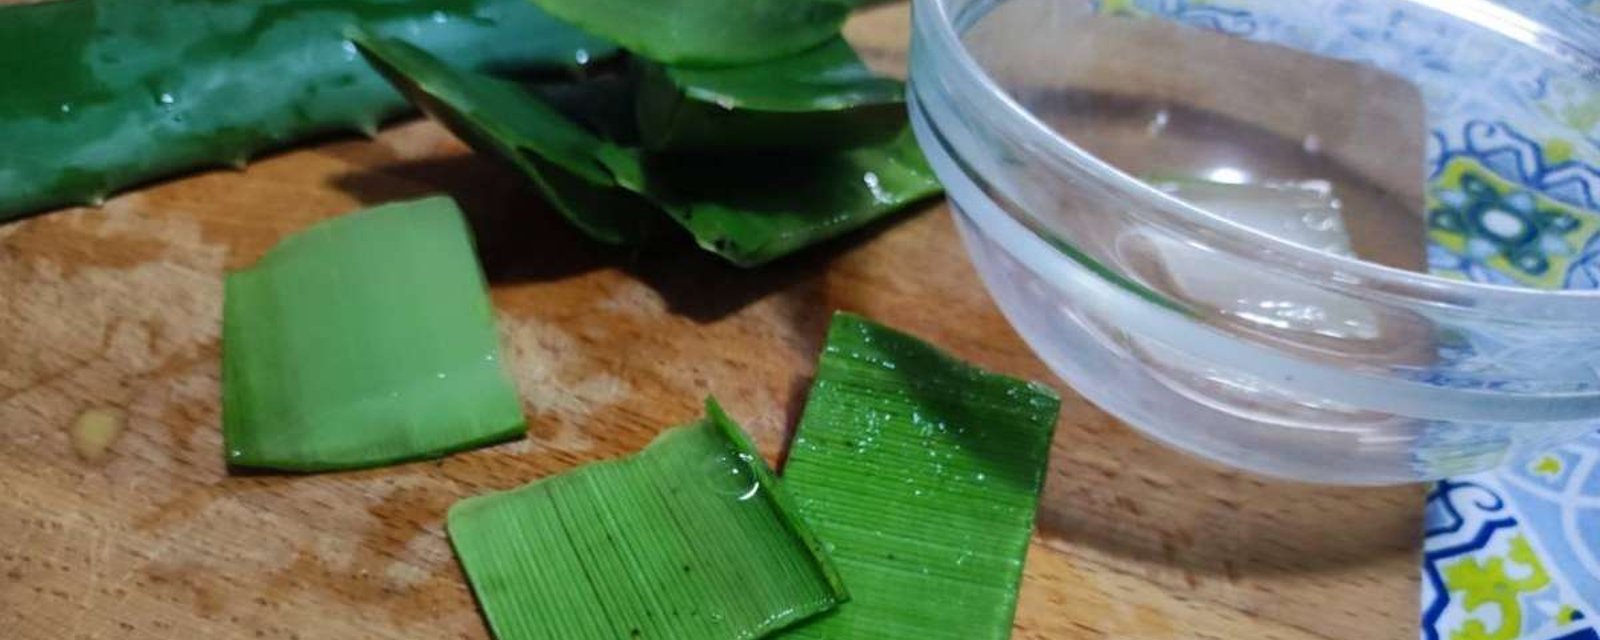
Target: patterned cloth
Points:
(1514, 553)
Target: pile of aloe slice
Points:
(750, 124)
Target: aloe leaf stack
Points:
(757, 147)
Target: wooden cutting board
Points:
(118, 309)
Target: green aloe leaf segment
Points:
(707, 32)
(922, 474)
(690, 538)
(820, 99)
(364, 340)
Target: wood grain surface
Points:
(117, 311)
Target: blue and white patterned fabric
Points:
(1514, 199)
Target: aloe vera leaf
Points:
(822, 98)
(690, 538)
(362, 341)
(502, 119)
(707, 32)
(757, 207)
(104, 94)
(748, 208)
(922, 474)
(602, 105)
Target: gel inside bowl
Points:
(1330, 240)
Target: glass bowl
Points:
(1324, 240)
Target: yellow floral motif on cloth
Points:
(1487, 582)
(1547, 465)
(1120, 8)
(1132, 7)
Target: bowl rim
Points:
(934, 26)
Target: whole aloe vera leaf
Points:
(707, 32)
(362, 341)
(822, 98)
(104, 94)
(690, 538)
(748, 208)
(922, 474)
(502, 119)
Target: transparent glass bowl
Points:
(1293, 237)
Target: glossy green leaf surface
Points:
(690, 538)
(707, 32)
(602, 105)
(748, 208)
(921, 474)
(825, 78)
(506, 121)
(822, 98)
(103, 94)
(364, 340)
(757, 207)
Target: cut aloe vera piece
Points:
(707, 32)
(364, 340)
(748, 208)
(758, 207)
(823, 98)
(691, 538)
(103, 94)
(505, 121)
(922, 474)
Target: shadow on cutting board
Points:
(521, 239)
